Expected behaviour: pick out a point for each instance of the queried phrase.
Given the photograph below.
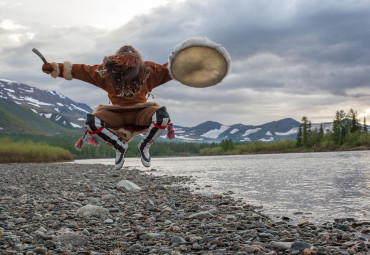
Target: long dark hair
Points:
(127, 71)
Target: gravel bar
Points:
(93, 209)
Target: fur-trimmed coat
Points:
(97, 76)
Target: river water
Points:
(302, 186)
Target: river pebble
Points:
(94, 209)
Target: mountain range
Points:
(57, 108)
(28, 109)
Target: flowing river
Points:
(302, 186)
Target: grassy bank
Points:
(67, 142)
(21, 152)
(61, 148)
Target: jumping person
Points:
(196, 62)
(128, 80)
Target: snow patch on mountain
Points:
(179, 130)
(271, 139)
(79, 108)
(235, 130)
(9, 90)
(246, 139)
(36, 105)
(53, 92)
(35, 101)
(185, 138)
(27, 90)
(7, 81)
(290, 132)
(14, 97)
(214, 133)
(75, 125)
(251, 131)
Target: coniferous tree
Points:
(339, 127)
(227, 145)
(314, 137)
(306, 130)
(304, 133)
(299, 136)
(364, 127)
(321, 132)
(352, 115)
(310, 134)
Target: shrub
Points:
(21, 152)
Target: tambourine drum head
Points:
(199, 66)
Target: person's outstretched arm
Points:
(91, 74)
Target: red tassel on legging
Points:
(170, 131)
(91, 139)
(80, 143)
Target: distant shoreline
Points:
(34, 149)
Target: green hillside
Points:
(17, 119)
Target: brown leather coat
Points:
(95, 75)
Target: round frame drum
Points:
(199, 62)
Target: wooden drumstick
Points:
(40, 55)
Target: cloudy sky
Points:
(290, 58)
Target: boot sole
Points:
(123, 160)
(144, 162)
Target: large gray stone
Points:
(92, 210)
(150, 236)
(201, 215)
(178, 240)
(73, 239)
(127, 185)
(281, 245)
(300, 246)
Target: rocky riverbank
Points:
(93, 209)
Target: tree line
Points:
(347, 131)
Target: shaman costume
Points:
(127, 79)
(196, 62)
